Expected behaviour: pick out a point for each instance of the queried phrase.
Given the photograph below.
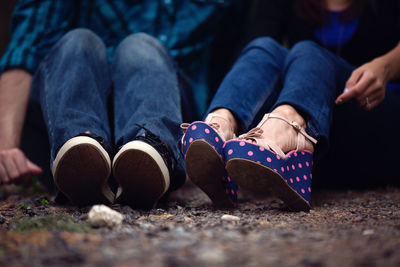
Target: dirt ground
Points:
(344, 228)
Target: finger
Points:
(20, 162)
(376, 87)
(347, 94)
(373, 91)
(366, 98)
(367, 102)
(354, 78)
(3, 175)
(356, 90)
(33, 168)
(373, 100)
(372, 104)
(10, 167)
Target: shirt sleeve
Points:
(36, 25)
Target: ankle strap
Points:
(257, 132)
(301, 138)
(211, 116)
(216, 126)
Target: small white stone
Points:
(101, 215)
(230, 218)
(368, 232)
(187, 219)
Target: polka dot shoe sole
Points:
(259, 170)
(202, 147)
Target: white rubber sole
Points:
(81, 170)
(142, 174)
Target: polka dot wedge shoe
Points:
(202, 147)
(262, 167)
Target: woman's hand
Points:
(367, 84)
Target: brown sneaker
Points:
(142, 168)
(81, 170)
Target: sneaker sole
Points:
(81, 170)
(261, 179)
(142, 174)
(205, 169)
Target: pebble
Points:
(146, 226)
(211, 256)
(368, 232)
(230, 218)
(179, 231)
(302, 214)
(187, 219)
(30, 212)
(101, 215)
(358, 219)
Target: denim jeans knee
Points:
(311, 50)
(265, 43)
(81, 41)
(268, 47)
(143, 49)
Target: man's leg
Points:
(147, 111)
(74, 82)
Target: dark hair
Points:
(314, 11)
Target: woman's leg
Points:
(313, 76)
(250, 85)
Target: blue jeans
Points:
(309, 78)
(267, 75)
(81, 91)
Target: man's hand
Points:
(15, 167)
(14, 94)
(367, 84)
